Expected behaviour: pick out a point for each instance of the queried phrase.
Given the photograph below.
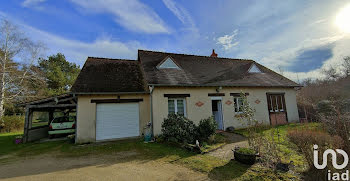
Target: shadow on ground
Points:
(231, 170)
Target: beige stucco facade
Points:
(86, 111)
(86, 114)
(196, 113)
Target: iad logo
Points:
(336, 175)
(334, 158)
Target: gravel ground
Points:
(120, 166)
(234, 140)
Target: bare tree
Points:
(280, 70)
(331, 73)
(14, 45)
(346, 66)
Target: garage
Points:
(117, 120)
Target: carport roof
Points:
(60, 101)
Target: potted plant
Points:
(245, 155)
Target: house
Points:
(117, 98)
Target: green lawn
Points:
(8, 146)
(216, 168)
(37, 124)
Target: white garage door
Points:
(117, 120)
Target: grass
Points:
(37, 124)
(7, 142)
(216, 168)
(9, 148)
(287, 151)
(218, 140)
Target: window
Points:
(276, 102)
(254, 69)
(168, 63)
(177, 106)
(238, 104)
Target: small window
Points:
(177, 106)
(254, 69)
(238, 104)
(168, 64)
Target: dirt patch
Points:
(116, 166)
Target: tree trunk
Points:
(2, 96)
(305, 113)
(3, 83)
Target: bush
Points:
(12, 123)
(178, 129)
(306, 138)
(216, 138)
(206, 128)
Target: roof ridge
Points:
(112, 58)
(197, 55)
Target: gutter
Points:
(107, 93)
(247, 86)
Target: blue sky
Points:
(297, 38)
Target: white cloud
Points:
(30, 3)
(287, 57)
(277, 38)
(130, 14)
(181, 13)
(77, 51)
(228, 41)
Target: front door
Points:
(277, 108)
(217, 113)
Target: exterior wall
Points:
(195, 113)
(86, 115)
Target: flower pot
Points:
(248, 159)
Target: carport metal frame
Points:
(61, 102)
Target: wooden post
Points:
(50, 115)
(30, 118)
(26, 124)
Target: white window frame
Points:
(162, 66)
(175, 105)
(277, 107)
(257, 69)
(235, 99)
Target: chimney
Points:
(214, 54)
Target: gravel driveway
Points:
(118, 166)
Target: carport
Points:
(64, 104)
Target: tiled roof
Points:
(208, 71)
(103, 75)
(100, 75)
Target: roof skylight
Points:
(254, 69)
(168, 64)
